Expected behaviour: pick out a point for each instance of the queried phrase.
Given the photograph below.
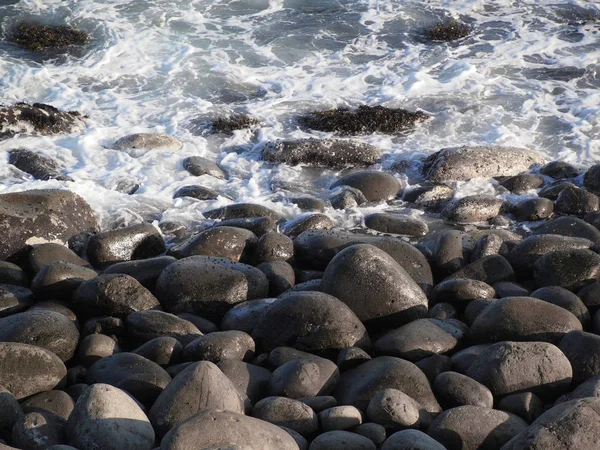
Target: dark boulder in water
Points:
(197, 166)
(363, 120)
(38, 166)
(450, 30)
(228, 124)
(37, 119)
(36, 37)
(321, 152)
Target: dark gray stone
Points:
(258, 225)
(251, 381)
(220, 345)
(559, 170)
(396, 410)
(55, 402)
(198, 166)
(274, 247)
(473, 209)
(571, 269)
(569, 226)
(235, 244)
(396, 224)
(552, 190)
(526, 405)
(301, 224)
(288, 413)
(376, 186)
(60, 279)
(591, 179)
(164, 351)
(143, 326)
(197, 192)
(14, 299)
(565, 299)
(460, 291)
(519, 184)
(576, 201)
(95, 347)
(454, 389)
(38, 431)
(38, 166)
(308, 377)
(245, 316)
(280, 275)
(411, 440)
(582, 349)
(146, 271)
(533, 209)
(242, 211)
(490, 269)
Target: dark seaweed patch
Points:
(37, 37)
(450, 30)
(363, 120)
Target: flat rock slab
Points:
(323, 153)
(464, 163)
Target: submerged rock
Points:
(36, 37)
(148, 141)
(321, 152)
(38, 166)
(37, 119)
(197, 166)
(450, 30)
(228, 124)
(363, 120)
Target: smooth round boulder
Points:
(197, 192)
(209, 286)
(38, 431)
(26, 370)
(526, 405)
(280, 275)
(146, 271)
(213, 429)
(532, 209)
(346, 197)
(565, 299)
(582, 350)
(422, 338)
(10, 412)
(396, 224)
(341, 440)
(490, 269)
(250, 380)
(569, 226)
(244, 316)
(242, 211)
(473, 209)
(411, 440)
(432, 366)
(576, 201)
(112, 295)
(571, 425)
(462, 360)
(55, 402)
(106, 417)
(47, 329)
(14, 299)
(148, 141)
(94, 347)
(60, 279)
(454, 428)
(591, 179)
(310, 321)
(571, 269)
(454, 389)
(234, 244)
(395, 410)
(358, 386)
(460, 291)
(288, 413)
(220, 345)
(520, 184)
(12, 274)
(143, 326)
(304, 223)
(342, 417)
(590, 296)
(304, 378)
(274, 247)
(49, 253)
(373, 431)
(351, 357)
(164, 351)
(523, 319)
(507, 368)
(198, 166)
(374, 286)
(376, 186)
(201, 386)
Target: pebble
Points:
(395, 410)
(288, 413)
(340, 418)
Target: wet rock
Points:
(228, 124)
(571, 425)
(274, 247)
(395, 410)
(460, 291)
(244, 316)
(422, 338)
(198, 166)
(12, 274)
(375, 186)
(571, 269)
(148, 141)
(209, 286)
(509, 368)
(559, 170)
(565, 299)
(38, 37)
(552, 190)
(60, 279)
(523, 319)
(396, 224)
(306, 377)
(450, 30)
(520, 184)
(591, 179)
(163, 351)
(526, 405)
(38, 431)
(26, 370)
(347, 197)
(46, 329)
(146, 271)
(576, 201)
(235, 244)
(199, 387)
(570, 226)
(453, 428)
(37, 216)
(125, 244)
(280, 275)
(241, 211)
(321, 152)
(411, 440)
(288, 413)
(143, 326)
(220, 345)
(434, 198)
(308, 203)
(582, 349)
(310, 321)
(142, 378)
(317, 221)
(211, 429)
(462, 360)
(357, 386)
(37, 119)
(453, 389)
(450, 253)
(106, 417)
(197, 192)
(126, 186)
(38, 166)
(113, 294)
(95, 347)
(533, 209)
(48, 253)
(258, 225)
(14, 299)
(340, 418)
(473, 209)
(511, 289)
(363, 120)
(374, 286)
(250, 380)
(110, 326)
(490, 269)
(465, 163)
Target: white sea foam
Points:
(528, 76)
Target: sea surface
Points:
(529, 76)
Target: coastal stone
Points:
(341, 440)
(533, 209)
(250, 380)
(148, 141)
(43, 254)
(473, 209)
(197, 192)
(571, 269)
(582, 349)
(526, 405)
(37, 37)
(11, 412)
(14, 299)
(511, 289)
(488, 244)
(146, 271)
(435, 198)
(490, 269)
(308, 203)
(449, 252)
(576, 201)
(321, 152)
(340, 418)
(288, 413)
(454, 389)
(298, 378)
(245, 316)
(591, 179)
(569, 226)
(442, 311)
(559, 170)
(60, 280)
(258, 225)
(411, 440)
(346, 197)
(372, 431)
(242, 211)
(376, 186)
(301, 224)
(433, 365)
(37, 216)
(465, 163)
(235, 244)
(198, 166)
(37, 119)
(395, 410)
(38, 166)
(220, 345)
(448, 30)
(164, 351)
(351, 357)
(520, 184)
(143, 326)
(274, 247)
(280, 275)
(565, 299)
(462, 360)
(95, 347)
(552, 190)
(460, 291)
(396, 224)
(12, 274)
(38, 431)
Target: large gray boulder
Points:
(37, 216)
(465, 163)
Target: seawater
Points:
(529, 75)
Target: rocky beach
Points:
(194, 261)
